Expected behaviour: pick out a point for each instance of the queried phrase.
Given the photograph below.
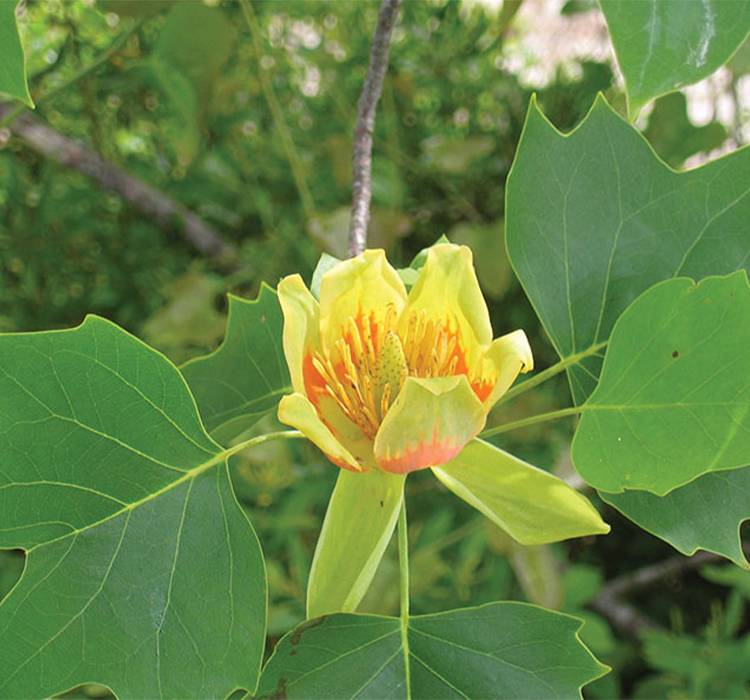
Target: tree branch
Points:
(151, 202)
(609, 602)
(365, 126)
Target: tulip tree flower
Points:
(386, 383)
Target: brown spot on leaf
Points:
(675, 354)
(280, 692)
(297, 635)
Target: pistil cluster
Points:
(365, 370)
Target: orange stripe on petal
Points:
(425, 454)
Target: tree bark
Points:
(365, 126)
(146, 199)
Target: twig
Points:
(151, 202)
(365, 126)
(295, 163)
(609, 602)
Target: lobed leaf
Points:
(705, 514)
(504, 650)
(662, 45)
(132, 531)
(673, 401)
(247, 375)
(594, 219)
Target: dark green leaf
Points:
(594, 219)
(664, 44)
(247, 376)
(124, 506)
(502, 650)
(704, 514)
(12, 62)
(673, 401)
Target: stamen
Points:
(371, 362)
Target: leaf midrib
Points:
(188, 475)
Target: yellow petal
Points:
(448, 289)
(301, 337)
(531, 505)
(297, 411)
(360, 288)
(346, 432)
(508, 356)
(359, 523)
(428, 424)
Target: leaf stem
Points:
(403, 563)
(531, 420)
(260, 439)
(102, 58)
(550, 372)
(295, 163)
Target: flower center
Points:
(369, 363)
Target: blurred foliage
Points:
(674, 137)
(192, 118)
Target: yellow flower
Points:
(392, 381)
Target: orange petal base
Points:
(422, 456)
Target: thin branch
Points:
(148, 200)
(610, 603)
(365, 126)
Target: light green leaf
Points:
(594, 219)
(12, 61)
(663, 44)
(132, 531)
(247, 375)
(673, 400)
(325, 263)
(531, 505)
(499, 650)
(358, 525)
(705, 514)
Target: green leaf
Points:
(325, 263)
(132, 531)
(594, 219)
(358, 525)
(247, 375)
(673, 400)
(705, 514)
(531, 505)
(664, 44)
(499, 650)
(12, 62)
